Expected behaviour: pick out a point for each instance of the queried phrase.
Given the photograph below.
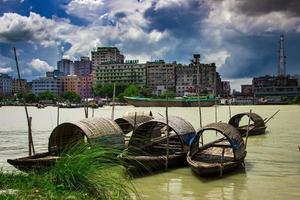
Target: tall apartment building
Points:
(5, 84)
(104, 55)
(70, 83)
(186, 80)
(130, 72)
(83, 67)
(85, 86)
(65, 66)
(225, 88)
(161, 76)
(44, 84)
(16, 88)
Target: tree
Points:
(169, 93)
(130, 90)
(146, 91)
(47, 96)
(30, 98)
(72, 97)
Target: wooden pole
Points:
(134, 125)
(266, 121)
(222, 162)
(30, 135)
(57, 115)
(93, 112)
(229, 110)
(247, 133)
(30, 140)
(113, 103)
(200, 114)
(167, 121)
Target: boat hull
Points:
(152, 163)
(254, 131)
(213, 169)
(38, 162)
(170, 103)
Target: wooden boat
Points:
(147, 146)
(257, 125)
(65, 135)
(130, 121)
(220, 156)
(171, 102)
(39, 105)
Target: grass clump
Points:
(81, 173)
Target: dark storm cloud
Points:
(260, 7)
(180, 20)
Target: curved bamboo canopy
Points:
(90, 130)
(257, 120)
(129, 122)
(231, 134)
(157, 128)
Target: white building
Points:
(44, 84)
(5, 84)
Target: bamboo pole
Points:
(57, 115)
(247, 133)
(113, 103)
(30, 140)
(134, 125)
(167, 121)
(268, 119)
(93, 112)
(229, 110)
(222, 162)
(200, 115)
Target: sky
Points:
(240, 36)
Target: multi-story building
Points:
(85, 86)
(104, 55)
(225, 92)
(66, 66)
(55, 73)
(70, 83)
(275, 86)
(130, 72)
(44, 84)
(17, 88)
(247, 90)
(161, 76)
(186, 80)
(83, 67)
(5, 84)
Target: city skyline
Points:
(242, 42)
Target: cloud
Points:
(218, 57)
(235, 84)
(40, 65)
(5, 70)
(259, 7)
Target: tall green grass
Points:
(81, 173)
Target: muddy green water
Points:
(272, 163)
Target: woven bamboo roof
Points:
(91, 129)
(231, 134)
(155, 127)
(257, 120)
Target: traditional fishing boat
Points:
(171, 102)
(217, 157)
(150, 141)
(257, 125)
(130, 121)
(92, 131)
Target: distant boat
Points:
(172, 102)
(39, 105)
(219, 156)
(257, 127)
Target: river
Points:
(272, 162)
